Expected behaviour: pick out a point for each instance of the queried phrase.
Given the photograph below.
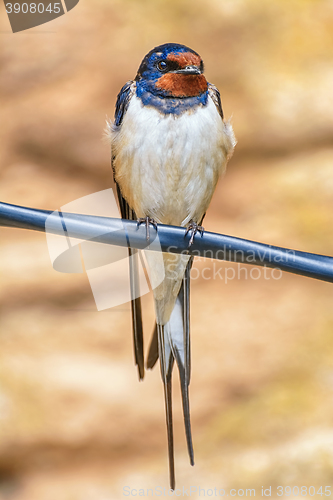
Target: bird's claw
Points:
(147, 220)
(195, 228)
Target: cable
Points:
(170, 238)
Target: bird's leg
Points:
(194, 228)
(147, 220)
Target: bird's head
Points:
(172, 70)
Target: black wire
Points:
(170, 238)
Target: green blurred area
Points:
(74, 422)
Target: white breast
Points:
(167, 166)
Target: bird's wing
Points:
(123, 99)
(216, 97)
(153, 350)
(122, 103)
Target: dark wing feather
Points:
(122, 103)
(215, 95)
(153, 350)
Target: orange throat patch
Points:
(178, 85)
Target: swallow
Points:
(169, 146)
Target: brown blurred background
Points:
(75, 424)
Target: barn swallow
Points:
(170, 145)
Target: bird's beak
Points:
(189, 70)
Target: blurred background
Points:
(75, 423)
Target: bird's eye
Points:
(162, 65)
